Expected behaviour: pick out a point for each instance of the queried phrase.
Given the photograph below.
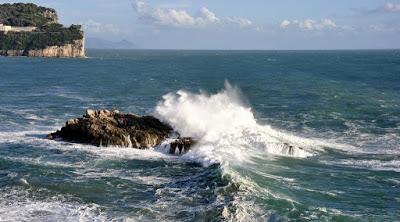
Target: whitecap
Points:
(16, 205)
(379, 165)
(226, 129)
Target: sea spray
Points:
(226, 128)
(229, 135)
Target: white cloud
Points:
(162, 16)
(388, 7)
(173, 5)
(97, 27)
(384, 28)
(285, 23)
(392, 7)
(180, 18)
(309, 24)
(174, 17)
(240, 21)
(378, 28)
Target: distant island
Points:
(31, 30)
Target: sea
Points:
(281, 136)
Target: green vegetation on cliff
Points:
(21, 14)
(39, 40)
(48, 32)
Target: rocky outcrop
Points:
(75, 50)
(181, 145)
(11, 52)
(112, 128)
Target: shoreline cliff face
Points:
(74, 50)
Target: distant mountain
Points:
(95, 43)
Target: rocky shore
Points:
(112, 128)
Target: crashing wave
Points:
(226, 129)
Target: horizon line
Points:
(184, 49)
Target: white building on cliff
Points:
(7, 28)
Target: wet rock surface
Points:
(181, 145)
(112, 128)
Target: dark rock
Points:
(183, 145)
(105, 128)
(112, 128)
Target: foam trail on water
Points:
(226, 128)
(19, 205)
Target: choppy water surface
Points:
(283, 136)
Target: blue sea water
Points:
(339, 111)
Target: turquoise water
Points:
(338, 110)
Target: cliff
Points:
(74, 50)
(47, 39)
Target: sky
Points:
(236, 24)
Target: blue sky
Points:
(234, 24)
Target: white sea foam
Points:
(227, 133)
(43, 162)
(226, 128)
(37, 138)
(48, 211)
(16, 205)
(28, 114)
(379, 165)
(128, 175)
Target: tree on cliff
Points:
(21, 14)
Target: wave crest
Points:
(226, 128)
